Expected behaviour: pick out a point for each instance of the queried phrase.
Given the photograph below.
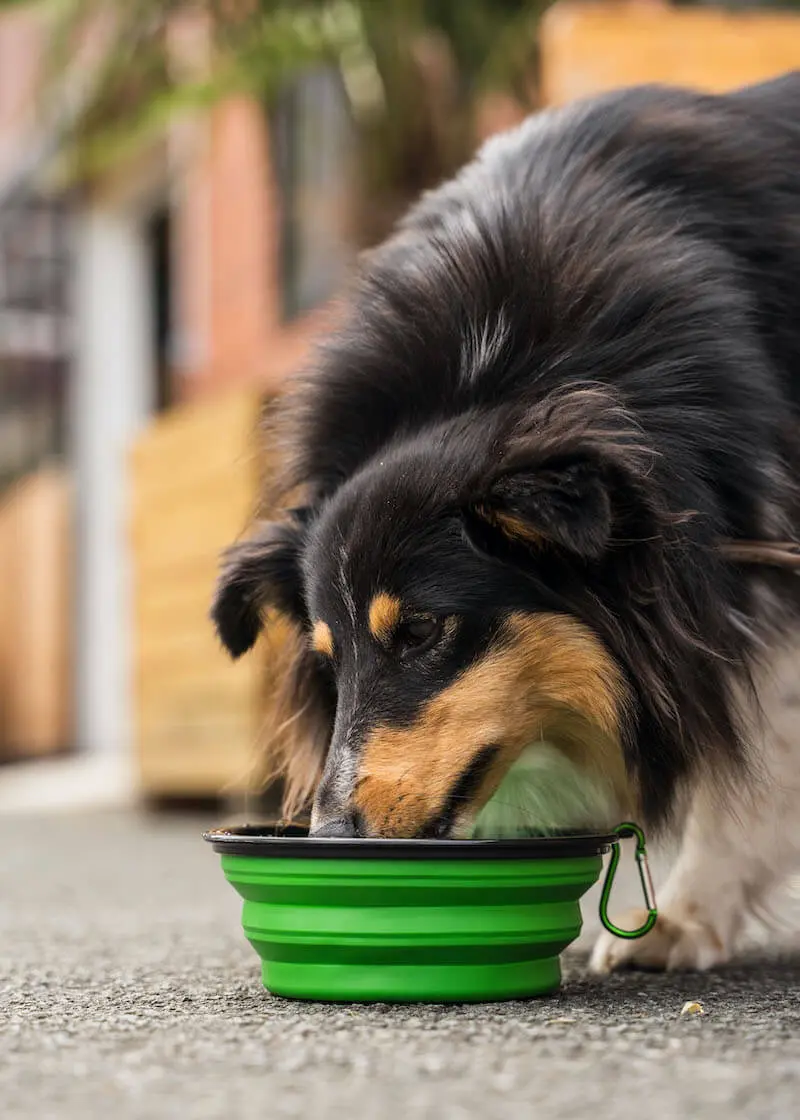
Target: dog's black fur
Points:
(594, 331)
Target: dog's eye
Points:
(420, 633)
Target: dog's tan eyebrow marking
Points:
(322, 638)
(384, 615)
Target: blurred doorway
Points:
(158, 233)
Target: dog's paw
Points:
(673, 943)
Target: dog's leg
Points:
(735, 849)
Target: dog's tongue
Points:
(544, 793)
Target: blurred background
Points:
(183, 188)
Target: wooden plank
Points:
(208, 759)
(589, 48)
(173, 485)
(197, 433)
(196, 477)
(171, 533)
(35, 619)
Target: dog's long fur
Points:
(569, 374)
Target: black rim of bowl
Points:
(292, 841)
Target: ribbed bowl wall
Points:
(411, 930)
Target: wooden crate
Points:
(589, 48)
(36, 630)
(196, 475)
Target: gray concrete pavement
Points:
(127, 991)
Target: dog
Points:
(540, 476)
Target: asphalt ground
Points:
(127, 991)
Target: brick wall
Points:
(227, 262)
(21, 46)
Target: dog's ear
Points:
(560, 503)
(259, 573)
(558, 477)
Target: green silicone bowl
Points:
(409, 920)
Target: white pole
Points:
(112, 397)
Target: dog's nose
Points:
(340, 827)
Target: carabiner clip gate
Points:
(623, 831)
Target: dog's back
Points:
(724, 170)
(581, 245)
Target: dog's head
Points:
(440, 593)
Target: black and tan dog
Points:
(565, 385)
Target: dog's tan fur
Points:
(515, 528)
(322, 638)
(384, 615)
(550, 678)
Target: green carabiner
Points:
(622, 831)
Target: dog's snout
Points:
(342, 827)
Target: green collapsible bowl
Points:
(409, 920)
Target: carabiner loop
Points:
(623, 831)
